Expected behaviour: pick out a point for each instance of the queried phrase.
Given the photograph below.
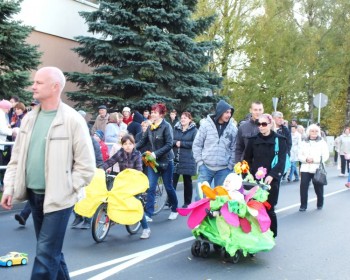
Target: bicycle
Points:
(161, 197)
(101, 223)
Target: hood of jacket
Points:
(179, 126)
(138, 117)
(221, 108)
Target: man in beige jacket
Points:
(52, 160)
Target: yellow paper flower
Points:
(245, 167)
(237, 168)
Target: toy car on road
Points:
(14, 258)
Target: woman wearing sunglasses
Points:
(260, 153)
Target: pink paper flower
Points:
(261, 173)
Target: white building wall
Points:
(56, 17)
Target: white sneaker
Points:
(146, 233)
(173, 216)
(149, 219)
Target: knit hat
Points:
(126, 109)
(5, 104)
(102, 107)
(82, 113)
(100, 134)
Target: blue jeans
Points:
(167, 177)
(50, 229)
(293, 171)
(206, 174)
(143, 222)
(26, 211)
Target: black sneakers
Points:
(77, 221)
(86, 225)
(20, 219)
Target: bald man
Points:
(51, 161)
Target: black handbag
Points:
(162, 166)
(320, 177)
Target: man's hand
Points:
(6, 201)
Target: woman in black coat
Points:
(260, 152)
(159, 135)
(184, 133)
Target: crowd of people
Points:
(117, 140)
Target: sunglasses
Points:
(263, 124)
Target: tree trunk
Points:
(310, 97)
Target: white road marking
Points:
(148, 253)
(140, 256)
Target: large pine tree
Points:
(17, 58)
(143, 52)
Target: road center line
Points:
(149, 252)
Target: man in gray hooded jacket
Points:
(214, 145)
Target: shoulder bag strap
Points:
(277, 148)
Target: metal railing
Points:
(2, 167)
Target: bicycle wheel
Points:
(100, 223)
(133, 229)
(160, 198)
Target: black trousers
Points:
(306, 177)
(188, 187)
(272, 200)
(344, 164)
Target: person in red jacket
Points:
(99, 137)
(127, 116)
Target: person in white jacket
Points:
(312, 151)
(5, 130)
(296, 140)
(344, 152)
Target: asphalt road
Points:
(310, 245)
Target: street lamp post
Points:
(274, 103)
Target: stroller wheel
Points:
(195, 248)
(217, 248)
(227, 257)
(236, 257)
(204, 251)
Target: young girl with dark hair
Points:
(128, 157)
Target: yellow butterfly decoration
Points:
(123, 208)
